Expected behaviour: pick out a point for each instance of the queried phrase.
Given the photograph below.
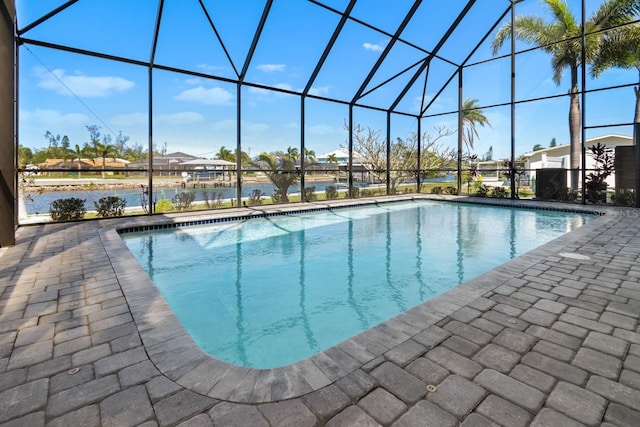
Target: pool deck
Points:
(550, 338)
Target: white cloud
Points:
(271, 68)
(284, 86)
(319, 91)
(258, 91)
(34, 124)
(193, 81)
(224, 125)
(376, 47)
(80, 85)
(230, 125)
(212, 96)
(254, 128)
(210, 68)
(266, 94)
(320, 130)
(53, 117)
(182, 118)
(133, 119)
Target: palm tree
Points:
(66, 151)
(280, 169)
(78, 155)
(471, 116)
(620, 48)
(333, 159)
(561, 38)
(293, 154)
(309, 156)
(225, 154)
(103, 150)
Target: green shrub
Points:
(212, 199)
(452, 190)
(164, 205)
(310, 194)
(482, 191)
(499, 192)
(280, 196)
(67, 209)
(567, 195)
(255, 198)
(331, 192)
(624, 198)
(110, 206)
(596, 181)
(183, 201)
(436, 190)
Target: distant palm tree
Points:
(225, 154)
(620, 48)
(293, 154)
(472, 116)
(309, 156)
(66, 151)
(561, 38)
(103, 151)
(333, 159)
(78, 155)
(280, 169)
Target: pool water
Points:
(267, 292)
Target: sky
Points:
(64, 92)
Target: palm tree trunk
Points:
(574, 130)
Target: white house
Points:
(341, 156)
(558, 157)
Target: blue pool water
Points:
(267, 292)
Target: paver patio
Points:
(547, 339)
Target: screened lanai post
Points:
(388, 177)
(320, 63)
(241, 77)
(460, 130)
(8, 145)
(636, 141)
(150, 203)
(512, 57)
(349, 170)
(583, 118)
(302, 151)
(152, 58)
(419, 158)
(239, 144)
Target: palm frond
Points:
(612, 13)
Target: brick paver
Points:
(544, 341)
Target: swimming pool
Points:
(270, 291)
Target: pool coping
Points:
(178, 357)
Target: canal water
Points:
(39, 203)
